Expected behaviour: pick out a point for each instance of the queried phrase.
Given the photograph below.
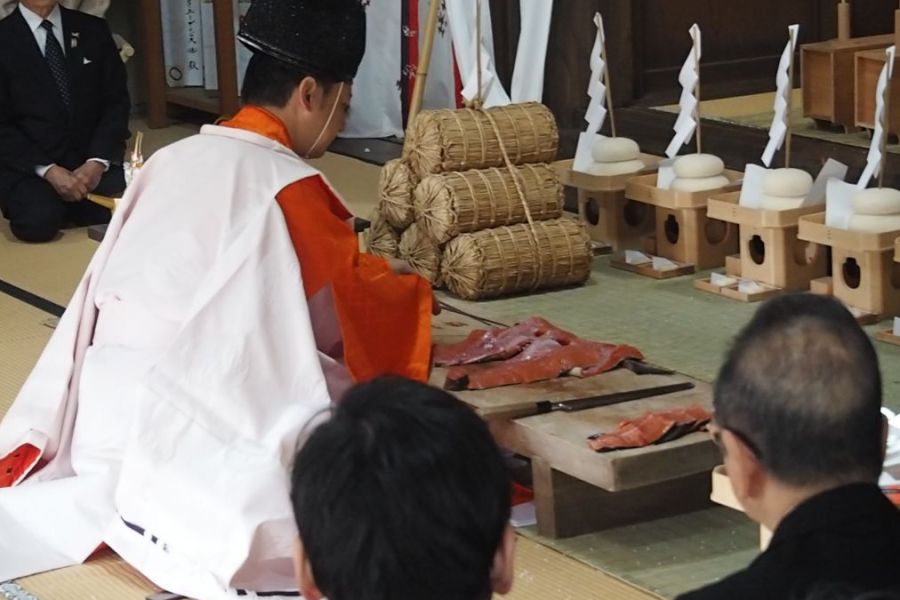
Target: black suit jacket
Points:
(845, 540)
(35, 128)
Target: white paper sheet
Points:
(752, 190)
(721, 280)
(832, 170)
(634, 257)
(665, 176)
(663, 264)
(781, 121)
(838, 207)
(891, 473)
(523, 515)
(688, 116)
(875, 160)
(596, 112)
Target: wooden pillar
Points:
(154, 67)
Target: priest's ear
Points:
(306, 582)
(311, 93)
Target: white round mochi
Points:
(697, 166)
(875, 223)
(787, 183)
(780, 203)
(877, 201)
(614, 150)
(700, 184)
(616, 168)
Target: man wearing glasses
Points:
(797, 417)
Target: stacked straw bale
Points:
(472, 204)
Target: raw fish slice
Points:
(544, 359)
(652, 428)
(498, 343)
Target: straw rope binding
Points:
(395, 189)
(518, 258)
(449, 204)
(459, 140)
(422, 254)
(382, 239)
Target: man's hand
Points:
(90, 173)
(68, 185)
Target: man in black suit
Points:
(798, 419)
(63, 118)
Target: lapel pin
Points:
(74, 41)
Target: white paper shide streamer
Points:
(875, 160)
(597, 111)
(781, 122)
(689, 114)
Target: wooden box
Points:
(771, 253)
(827, 70)
(684, 232)
(609, 217)
(864, 274)
(868, 69)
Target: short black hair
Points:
(401, 495)
(802, 383)
(270, 82)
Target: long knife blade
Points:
(547, 406)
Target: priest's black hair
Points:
(270, 82)
(402, 495)
(802, 386)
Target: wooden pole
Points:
(886, 117)
(415, 104)
(609, 100)
(697, 95)
(897, 28)
(843, 16)
(789, 135)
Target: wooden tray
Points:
(869, 64)
(646, 269)
(726, 207)
(643, 189)
(897, 250)
(733, 292)
(600, 183)
(814, 229)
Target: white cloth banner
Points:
(782, 119)
(688, 117)
(462, 17)
(875, 160)
(383, 78)
(531, 56)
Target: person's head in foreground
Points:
(305, 56)
(798, 406)
(402, 495)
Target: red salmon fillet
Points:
(652, 428)
(545, 358)
(498, 343)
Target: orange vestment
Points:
(385, 319)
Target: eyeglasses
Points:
(716, 429)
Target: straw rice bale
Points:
(382, 239)
(422, 254)
(449, 204)
(459, 140)
(395, 190)
(517, 258)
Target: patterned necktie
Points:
(56, 59)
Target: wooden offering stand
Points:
(864, 274)
(613, 222)
(869, 65)
(827, 69)
(770, 252)
(685, 234)
(578, 490)
(888, 334)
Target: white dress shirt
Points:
(34, 21)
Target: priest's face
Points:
(318, 115)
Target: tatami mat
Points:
(26, 331)
(541, 574)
